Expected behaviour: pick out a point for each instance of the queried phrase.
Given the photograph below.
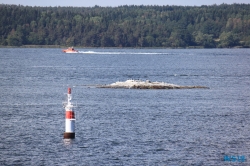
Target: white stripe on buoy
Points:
(69, 118)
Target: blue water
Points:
(125, 126)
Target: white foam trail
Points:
(123, 53)
(28, 104)
(53, 67)
(87, 52)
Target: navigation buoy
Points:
(69, 118)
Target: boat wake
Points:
(123, 53)
(71, 52)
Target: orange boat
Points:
(70, 50)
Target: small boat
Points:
(70, 50)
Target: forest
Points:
(215, 26)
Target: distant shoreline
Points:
(58, 46)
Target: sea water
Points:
(125, 126)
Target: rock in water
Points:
(138, 84)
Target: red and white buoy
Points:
(70, 118)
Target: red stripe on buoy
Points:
(70, 115)
(69, 90)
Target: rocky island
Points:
(138, 84)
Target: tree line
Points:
(215, 26)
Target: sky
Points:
(114, 3)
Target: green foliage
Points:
(228, 39)
(126, 26)
(205, 40)
(15, 38)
